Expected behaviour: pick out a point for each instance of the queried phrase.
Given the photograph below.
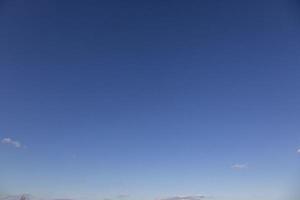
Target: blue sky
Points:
(150, 100)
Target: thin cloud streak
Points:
(196, 197)
(9, 141)
(239, 166)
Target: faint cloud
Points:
(18, 197)
(195, 197)
(118, 197)
(298, 151)
(9, 141)
(63, 199)
(239, 166)
(74, 156)
(123, 196)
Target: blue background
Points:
(150, 98)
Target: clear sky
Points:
(150, 100)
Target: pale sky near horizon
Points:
(150, 100)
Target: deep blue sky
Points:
(150, 99)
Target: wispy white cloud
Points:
(193, 197)
(9, 141)
(239, 166)
(18, 197)
(298, 151)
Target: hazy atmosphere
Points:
(149, 100)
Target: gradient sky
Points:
(150, 99)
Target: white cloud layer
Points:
(239, 166)
(9, 141)
(196, 197)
